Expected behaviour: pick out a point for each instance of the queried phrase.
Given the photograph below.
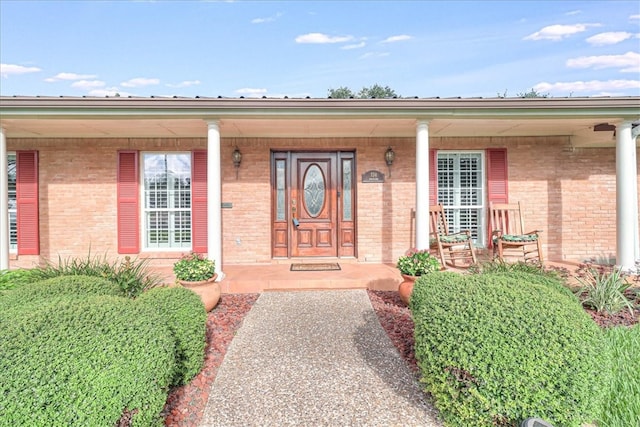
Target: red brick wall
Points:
(570, 195)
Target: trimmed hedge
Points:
(74, 352)
(494, 350)
(550, 281)
(29, 296)
(10, 279)
(184, 314)
(84, 362)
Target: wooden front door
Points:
(311, 217)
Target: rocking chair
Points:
(454, 249)
(508, 236)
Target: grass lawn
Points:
(623, 405)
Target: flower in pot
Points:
(197, 273)
(413, 264)
(417, 263)
(194, 267)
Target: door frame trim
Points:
(287, 155)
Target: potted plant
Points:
(413, 264)
(198, 273)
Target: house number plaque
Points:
(372, 176)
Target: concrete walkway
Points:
(315, 358)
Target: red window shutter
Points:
(497, 181)
(433, 177)
(199, 201)
(27, 200)
(497, 178)
(128, 209)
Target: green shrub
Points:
(622, 405)
(500, 266)
(31, 295)
(84, 361)
(605, 291)
(10, 279)
(550, 281)
(184, 314)
(132, 276)
(493, 351)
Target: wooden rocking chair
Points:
(508, 236)
(454, 249)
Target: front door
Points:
(313, 201)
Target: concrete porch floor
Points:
(255, 278)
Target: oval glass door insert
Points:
(314, 189)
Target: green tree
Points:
(342, 92)
(532, 94)
(529, 94)
(375, 91)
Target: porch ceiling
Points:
(64, 117)
(579, 130)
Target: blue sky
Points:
(304, 48)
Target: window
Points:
(13, 203)
(167, 200)
(461, 190)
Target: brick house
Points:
(156, 177)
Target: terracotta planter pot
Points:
(406, 287)
(208, 290)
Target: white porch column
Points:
(4, 203)
(626, 197)
(422, 185)
(214, 197)
(634, 135)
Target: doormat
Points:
(326, 266)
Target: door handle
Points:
(296, 223)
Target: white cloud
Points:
(587, 87)
(186, 83)
(140, 81)
(573, 12)
(374, 55)
(87, 84)
(628, 63)
(251, 92)
(69, 76)
(354, 46)
(268, 19)
(634, 17)
(558, 31)
(10, 69)
(319, 38)
(612, 37)
(398, 38)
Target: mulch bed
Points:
(185, 405)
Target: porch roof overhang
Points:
(83, 117)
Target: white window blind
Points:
(167, 200)
(461, 191)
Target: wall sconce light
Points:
(236, 156)
(389, 157)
